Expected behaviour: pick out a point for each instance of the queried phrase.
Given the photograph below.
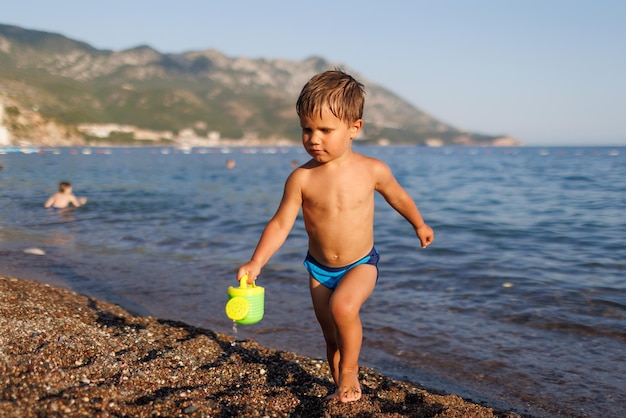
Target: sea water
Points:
(519, 303)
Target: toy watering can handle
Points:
(243, 282)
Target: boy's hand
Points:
(252, 269)
(425, 234)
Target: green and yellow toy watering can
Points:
(246, 304)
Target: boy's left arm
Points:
(403, 203)
(75, 201)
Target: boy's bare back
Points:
(64, 197)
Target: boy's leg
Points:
(345, 304)
(320, 295)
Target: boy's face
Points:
(327, 137)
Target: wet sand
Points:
(64, 354)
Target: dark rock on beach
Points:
(64, 354)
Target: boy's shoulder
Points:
(371, 162)
(356, 159)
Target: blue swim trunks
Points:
(331, 276)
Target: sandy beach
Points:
(64, 354)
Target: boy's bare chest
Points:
(337, 196)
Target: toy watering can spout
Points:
(246, 304)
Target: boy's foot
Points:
(349, 388)
(332, 396)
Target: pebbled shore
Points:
(64, 354)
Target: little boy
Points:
(64, 197)
(335, 190)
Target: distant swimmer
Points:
(64, 197)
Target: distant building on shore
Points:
(5, 138)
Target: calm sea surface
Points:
(520, 302)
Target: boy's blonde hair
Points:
(340, 92)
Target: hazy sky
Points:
(548, 72)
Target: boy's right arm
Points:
(49, 202)
(276, 230)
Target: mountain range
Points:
(57, 91)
